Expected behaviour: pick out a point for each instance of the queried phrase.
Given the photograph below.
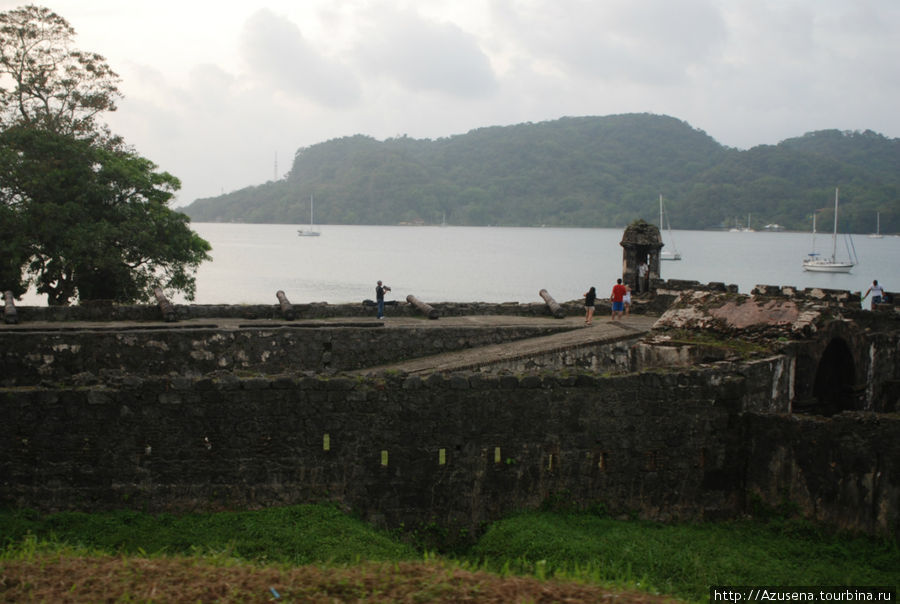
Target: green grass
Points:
(685, 559)
(679, 559)
(297, 535)
(742, 348)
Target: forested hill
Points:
(580, 171)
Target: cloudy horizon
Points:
(223, 94)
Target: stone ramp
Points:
(603, 331)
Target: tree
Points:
(44, 82)
(83, 216)
(95, 220)
(12, 253)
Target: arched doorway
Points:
(834, 388)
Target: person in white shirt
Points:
(877, 293)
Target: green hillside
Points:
(581, 171)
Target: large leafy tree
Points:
(93, 222)
(81, 215)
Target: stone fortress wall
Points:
(186, 418)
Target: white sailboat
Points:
(311, 231)
(814, 262)
(877, 234)
(667, 254)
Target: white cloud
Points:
(213, 91)
(425, 55)
(654, 41)
(276, 51)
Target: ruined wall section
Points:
(843, 470)
(460, 450)
(99, 311)
(28, 357)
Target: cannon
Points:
(555, 309)
(168, 311)
(287, 309)
(10, 316)
(427, 310)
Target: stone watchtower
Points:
(642, 243)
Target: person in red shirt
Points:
(618, 297)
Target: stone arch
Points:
(834, 386)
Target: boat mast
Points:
(660, 214)
(834, 234)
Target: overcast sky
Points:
(218, 92)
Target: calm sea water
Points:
(487, 264)
(484, 264)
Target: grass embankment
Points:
(316, 553)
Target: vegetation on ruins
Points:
(317, 553)
(83, 215)
(580, 172)
(730, 347)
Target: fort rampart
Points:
(29, 357)
(155, 419)
(457, 450)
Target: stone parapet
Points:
(459, 450)
(30, 357)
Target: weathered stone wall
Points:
(93, 311)
(612, 355)
(663, 294)
(27, 357)
(460, 450)
(187, 418)
(842, 470)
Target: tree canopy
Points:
(92, 222)
(83, 216)
(579, 171)
(54, 87)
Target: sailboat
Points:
(311, 231)
(667, 254)
(877, 234)
(814, 262)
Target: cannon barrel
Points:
(168, 311)
(428, 310)
(287, 309)
(555, 309)
(10, 315)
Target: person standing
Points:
(877, 294)
(618, 297)
(379, 297)
(626, 300)
(643, 269)
(589, 298)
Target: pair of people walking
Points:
(620, 297)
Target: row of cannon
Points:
(10, 316)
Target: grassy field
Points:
(317, 553)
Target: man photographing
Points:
(379, 297)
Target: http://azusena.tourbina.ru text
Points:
(761, 593)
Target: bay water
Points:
(251, 262)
